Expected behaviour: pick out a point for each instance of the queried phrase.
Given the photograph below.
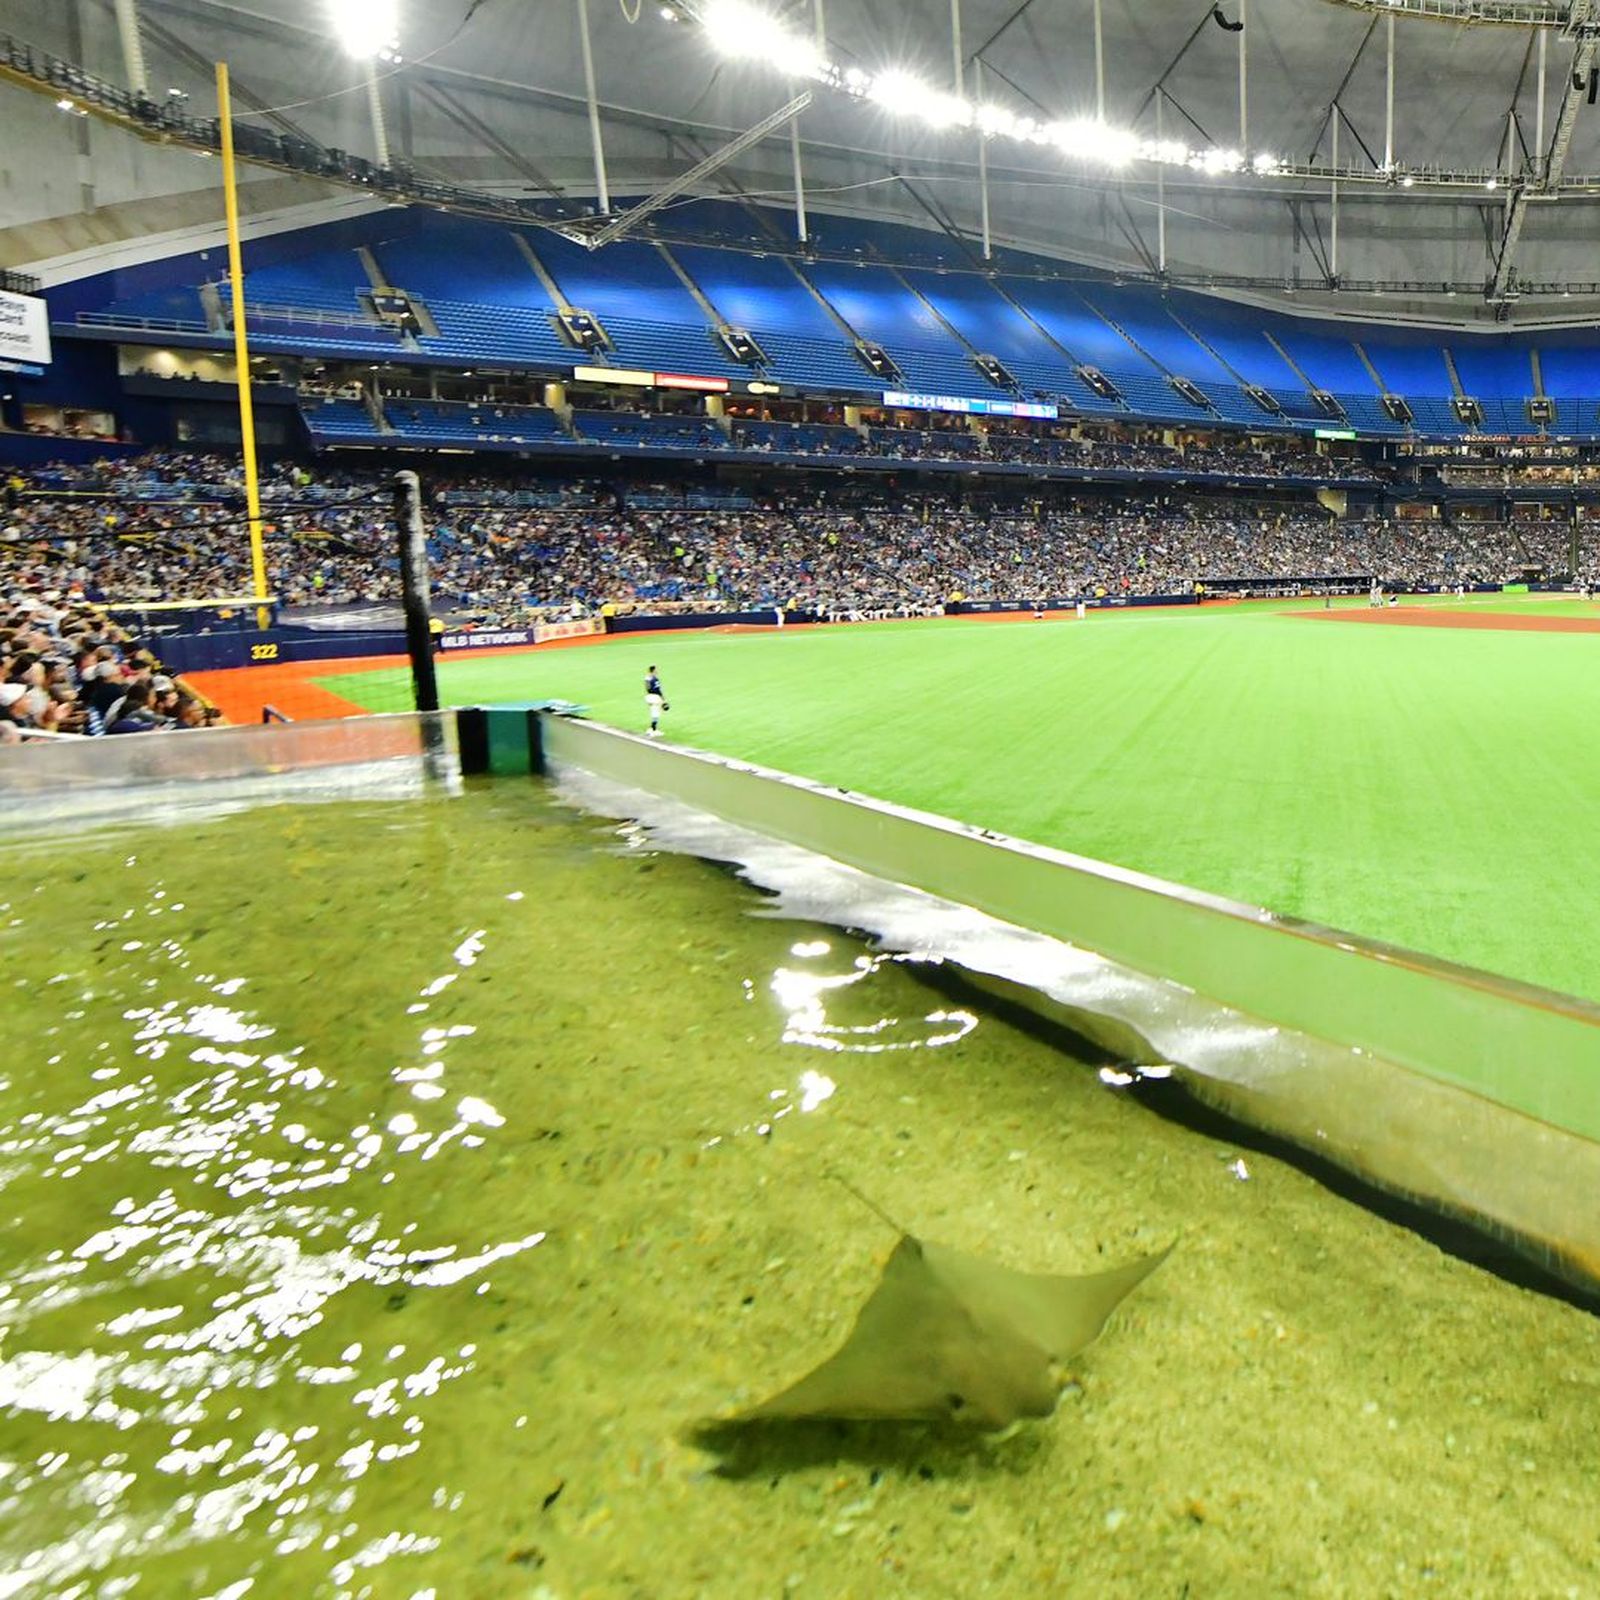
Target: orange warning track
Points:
(240, 693)
(289, 686)
(1434, 617)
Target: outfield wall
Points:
(1476, 1094)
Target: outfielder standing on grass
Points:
(655, 701)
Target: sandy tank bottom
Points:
(387, 1188)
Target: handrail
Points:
(115, 319)
(316, 316)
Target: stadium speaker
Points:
(877, 361)
(994, 371)
(581, 329)
(742, 346)
(1099, 383)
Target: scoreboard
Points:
(24, 332)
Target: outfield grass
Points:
(1433, 787)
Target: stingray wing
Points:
(950, 1337)
(888, 1365)
(919, 1351)
(1061, 1314)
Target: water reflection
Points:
(220, 1211)
(804, 994)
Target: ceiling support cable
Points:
(1582, 24)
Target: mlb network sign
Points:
(24, 329)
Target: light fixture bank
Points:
(745, 32)
(366, 29)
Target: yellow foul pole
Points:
(241, 348)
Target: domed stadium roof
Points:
(1437, 159)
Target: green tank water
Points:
(388, 1188)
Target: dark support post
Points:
(472, 739)
(536, 743)
(414, 588)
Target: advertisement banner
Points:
(484, 638)
(579, 629)
(24, 328)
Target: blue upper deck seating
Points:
(861, 239)
(823, 363)
(1140, 313)
(880, 308)
(336, 326)
(330, 281)
(461, 259)
(1505, 416)
(938, 372)
(475, 332)
(1064, 315)
(273, 330)
(1235, 405)
(1434, 415)
(1152, 396)
(671, 347)
(993, 326)
(931, 310)
(1297, 403)
(1412, 369)
(626, 279)
(1238, 334)
(1571, 372)
(181, 304)
(757, 292)
(1367, 415)
(1493, 368)
(1327, 359)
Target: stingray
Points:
(948, 1337)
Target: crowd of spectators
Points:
(509, 550)
(66, 669)
(1044, 446)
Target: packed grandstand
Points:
(506, 548)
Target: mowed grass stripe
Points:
(1431, 787)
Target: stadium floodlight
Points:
(744, 30)
(366, 29)
(905, 95)
(748, 33)
(1088, 139)
(1168, 152)
(997, 122)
